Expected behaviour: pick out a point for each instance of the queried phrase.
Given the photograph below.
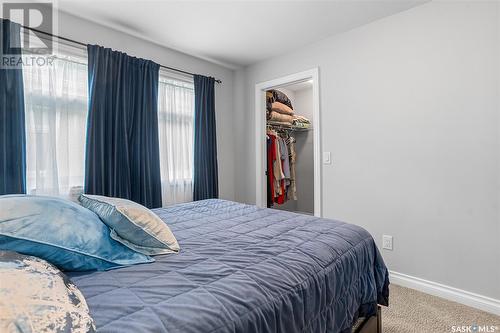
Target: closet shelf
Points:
(280, 126)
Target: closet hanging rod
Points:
(83, 44)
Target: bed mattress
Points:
(243, 269)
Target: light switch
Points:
(327, 157)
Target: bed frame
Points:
(372, 324)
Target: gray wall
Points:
(410, 112)
(88, 32)
(305, 154)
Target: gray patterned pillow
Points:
(36, 297)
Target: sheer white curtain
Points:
(56, 116)
(176, 130)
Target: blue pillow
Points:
(132, 224)
(63, 233)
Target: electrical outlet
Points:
(387, 242)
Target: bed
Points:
(244, 269)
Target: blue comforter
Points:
(243, 269)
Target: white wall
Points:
(92, 33)
(410, 112)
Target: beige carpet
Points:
(413, 311)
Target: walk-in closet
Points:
(290, 148)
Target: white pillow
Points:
(132, 224)
(36, 297)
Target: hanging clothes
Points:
(281, 199)
(270, 173)
(281, 185)
(278, 175)
(293, 156)
(281, 151)
(285, 162)
(285, 157)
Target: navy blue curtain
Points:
(12, 125)
(122, 151)
(205, 180)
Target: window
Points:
(56, 116)
(176, 131)
(56, 102)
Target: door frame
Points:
(260, 134)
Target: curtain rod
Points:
(83, 44)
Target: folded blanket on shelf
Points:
(278, 96)
(276, 116)
(301, 125)
(269, 100)
(280, 123)
(301, 122)
(281, 108)
(301, 119)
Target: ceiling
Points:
(234, 33)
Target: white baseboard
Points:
(477, 301)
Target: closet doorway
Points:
(287, 120)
